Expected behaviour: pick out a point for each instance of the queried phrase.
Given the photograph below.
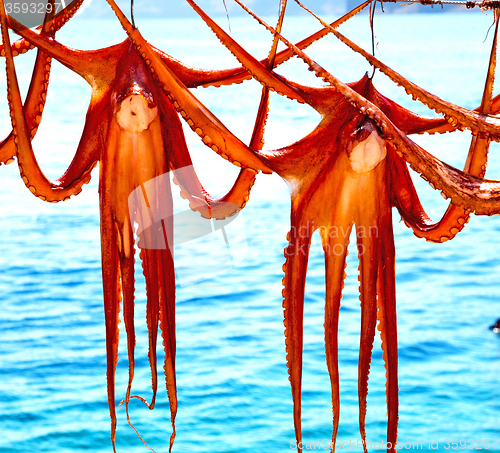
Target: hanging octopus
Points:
(350, 171)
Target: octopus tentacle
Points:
(54, 24)
(128, 280)
(273, 81)
(478, 195)
(95, 66)
(156, 249)
(257, 140)
(445, 126)
(295, 267)
(456, 217)
(112, 299)
(246, 177)
(186, 178)
(37, 94)
(160, 299)
(88, 150)
(30, 172)
(387, 325)
(239, 194)
(459, 117)
(405, 197)
(199, 118)
(192, 190)
(368, 252)
(152, 316)
(373, 219)
(336, 249)
(158, 268)
(166, 277)
(193, 77)
(35, 102)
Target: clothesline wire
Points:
(485, 4)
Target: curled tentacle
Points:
(37, 93)
(456, 217)
(88, 151)
(239, 194)
(33, 177)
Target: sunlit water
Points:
(233, 388)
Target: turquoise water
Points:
(233, 390)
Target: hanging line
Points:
(227, 15)
(373, 5)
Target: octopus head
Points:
(366, 148)
(135, 110)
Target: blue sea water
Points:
(233, 389)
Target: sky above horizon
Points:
(99, 8)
